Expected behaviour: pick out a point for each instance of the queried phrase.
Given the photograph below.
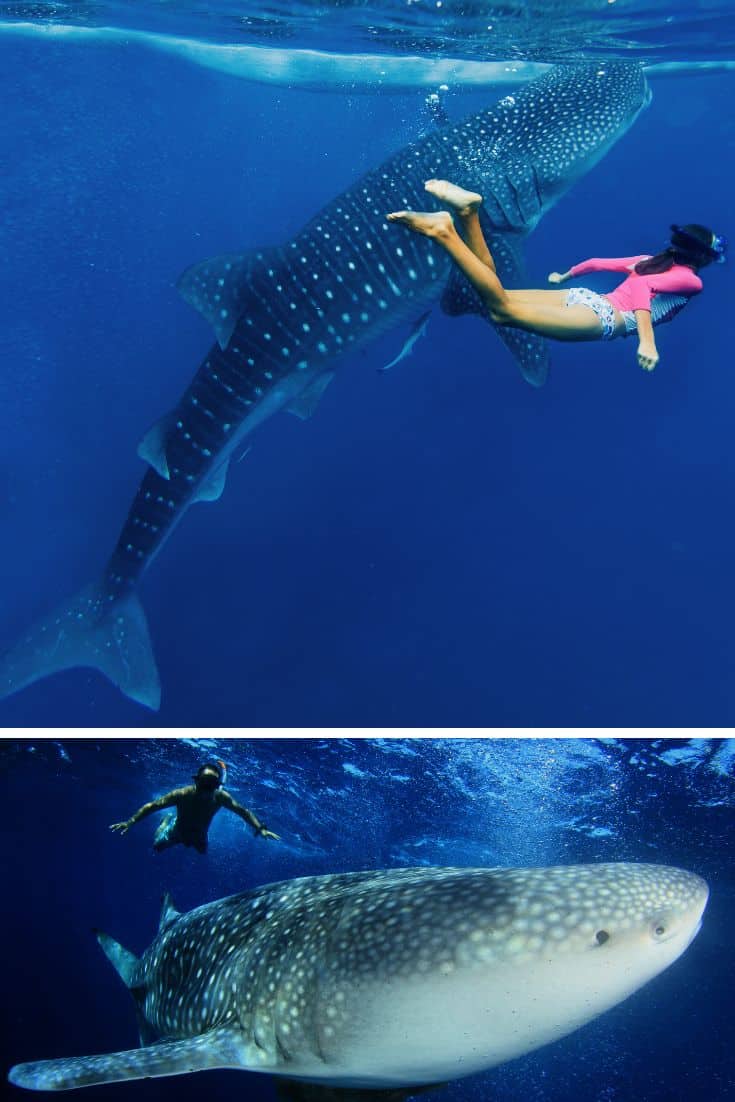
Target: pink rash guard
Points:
(639, 292)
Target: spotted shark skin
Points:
(285, 316)
(390, 979)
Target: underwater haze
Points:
(439, 544)
(344, 805)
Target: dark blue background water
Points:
(350, 804)
(438, 545)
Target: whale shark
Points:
(392, 980)
(284, 317)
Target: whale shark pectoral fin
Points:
(218, 287)
(295, 1090)
(126, 964)
(529, 350)
(418, 329)
(306, 402)
(221, 1048)
(212, 488)
(460, 297)
(122, 960)
(152, 447)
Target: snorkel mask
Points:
(716, 250)
(208, 777)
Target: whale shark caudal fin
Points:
(219, 1048)
(88, 631)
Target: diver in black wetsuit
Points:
(196, 805)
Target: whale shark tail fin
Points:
(219, 1048)
(89, 630)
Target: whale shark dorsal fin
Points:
(220, 1048)
(122, 960)
(218, 288)
(169, 913)
(304, 405)
(295, 1090)
(152, 447)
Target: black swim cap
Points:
(698, 243)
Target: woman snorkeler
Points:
(655, 287)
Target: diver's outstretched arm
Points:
(228, 801)
(169, 800)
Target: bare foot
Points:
(432, 224)
(464, 202)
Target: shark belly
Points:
(445, 1027)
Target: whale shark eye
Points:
(601, 937)
(659, 929)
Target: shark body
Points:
(283, 317)
(392, 979)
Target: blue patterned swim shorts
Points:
(597, 303)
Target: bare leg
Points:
(545, 297)
(465, 205)
(547, 316)
(440, 227)
(166, 834)
(473, 235)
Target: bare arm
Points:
(647, 351)
(226, 800)
(596, 264)
(169, 800)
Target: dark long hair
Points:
(682, 250)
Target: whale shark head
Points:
(391, 978)
(580, 111)
(529, 148)
(492, 964)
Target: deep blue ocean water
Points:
(438, 545)
(348, 804)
